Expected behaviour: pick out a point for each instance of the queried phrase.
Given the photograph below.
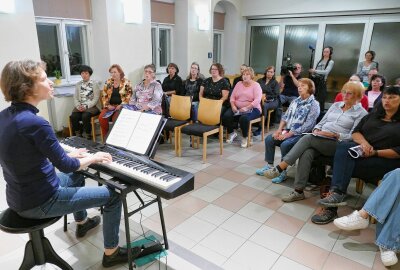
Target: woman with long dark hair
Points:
(377, 137)
(320, 74)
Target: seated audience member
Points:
(191, 87)
(300, 117)
(383, 205)
(364, 99)
(377, 135)
(239, 78)
(365, 66)
(372, 72)
(86, 102)
(270, 90)
(147, 95)
(375, 93)
(216, 86)
(116, 92)
(172, 84)
(289, 84)
(336, 125)
(245, 106)
(30, 154)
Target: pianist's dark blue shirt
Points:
(29, 151)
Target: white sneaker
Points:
(244, 142)
(388, 257)
(231, 137)
(351, 222)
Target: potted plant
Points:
(57, 74)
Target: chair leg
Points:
(175, 140)
(52, 256)
(93, 129)
(179, 144)
(204, 148)
(221, 139)
(249, 135)
(262, 127)
(269, 119)
(70, 126)
(359, 186)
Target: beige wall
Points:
(14, 47)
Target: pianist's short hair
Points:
(18, 78)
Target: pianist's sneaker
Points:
(82, 229)
(119, 256)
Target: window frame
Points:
(221, 42)
(156, 61)
(61, 25)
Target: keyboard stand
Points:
(123, 189)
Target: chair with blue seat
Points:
(38, 249)
(209, 122)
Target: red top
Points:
(364, 100)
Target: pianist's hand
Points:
(79, 153)
(102, 157)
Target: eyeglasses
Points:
(214, 69)
(345, 93)
(148, 71)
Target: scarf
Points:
(298, 111)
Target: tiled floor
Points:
(233, 219)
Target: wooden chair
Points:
(179, 111)
(260, 120)
(269, 119)
(93, 121)
(209, 122)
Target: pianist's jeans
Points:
(73, 197)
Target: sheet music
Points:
(143, 133)
(134, 130)
(123, 128)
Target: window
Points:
(63, 46)
(217, 44)
(161, 36)
(263, 47)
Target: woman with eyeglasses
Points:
(364, 100)
(191, 87)
(147, 95)
(116, 92)
(377, 137)
(336, 125)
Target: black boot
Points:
(119, 256)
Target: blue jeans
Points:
(73, 197)
(195, 110)
(368, 169)
(383, 205)
(285, 145)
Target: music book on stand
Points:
(136, 132)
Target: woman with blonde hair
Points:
(336, 125)
(245, 106)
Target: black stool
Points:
(38, 249)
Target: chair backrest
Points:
(180, 107)
(210, 111)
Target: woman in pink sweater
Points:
(245, 106)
